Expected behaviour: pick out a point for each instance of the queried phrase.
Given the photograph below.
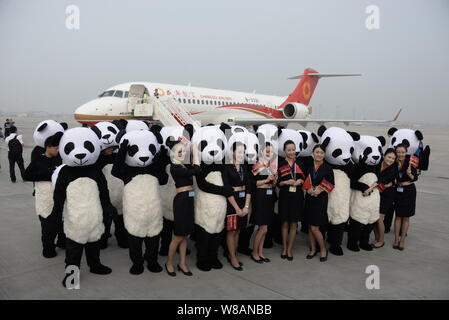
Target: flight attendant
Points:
(265, 176)
(238, 177)
(291, 197)
(405, 196)
(183, 205)
(388, 171)
(319, 182)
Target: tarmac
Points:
(419, 272)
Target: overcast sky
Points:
(235, 45)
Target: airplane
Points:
(211, 106)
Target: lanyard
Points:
(240, 172)
(293, 171)
(315, 172)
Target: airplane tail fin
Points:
(306, 86)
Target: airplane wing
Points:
(304, 122)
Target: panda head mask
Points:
(310, 140)
(131, 125)
(45, 130)
(368, 150)
(268, 133)
(411, 138)
(237, 129)
(108, 132)
(251, 143)
(338, 144)
(176, 133)
(212, 144)
(79, 147)
(289, 134)
(141, 149)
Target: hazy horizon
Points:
(231, 45)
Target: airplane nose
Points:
(213, 153)
(376, 157)
(80, 156)
(144, 159)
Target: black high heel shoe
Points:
(323, 259)
(283, 256)
(290, 258)
(171, 274)
(229, 260)
(188, 273)
(310, 256)
(255, 260)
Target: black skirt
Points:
(405, 202)
(241, 221)
(387, 201)
(316, 210)
(263, 207)
(184, 217)
(291, 204)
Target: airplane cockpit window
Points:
(126, 94)
(118, 94)
(108, 93)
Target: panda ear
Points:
(279, 131)
(119, 135)
(226, 128)
(122, 124)
(419, 135)
(97, 131)
(321, 130)
(382, 140)
(355, 136)
(391, 131)
(42, 127)
(325, 143)
(315, 137)
(156, 130)
(190, 130)
(64, 125)
(304, 139)
(56, 138)
(118, 124)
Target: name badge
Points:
(400, 189)
(242, 194)
(292, 189)
(191, 193)
(269, 192)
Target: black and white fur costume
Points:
(108, 132)
(364, 210)
(40, 171)
(138, 164)
(210, 201)
(82, 188)
(168, 191)
(413, 140)
(339, 146)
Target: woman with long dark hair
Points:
(291, 197)
(405, 197)
(319, 182)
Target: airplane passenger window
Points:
(179, 100)
(118, 94)
(193, 101)
(184, 100)
(198, 101)
(202, 101)
(207, 102)
(188, 101)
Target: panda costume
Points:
(210, 201)
(43, 131)
(82, 188)
(168, 191)
(108, 132)
(413, 140)
(139, 165)
(364, 210)
(338, 146)
(47, 134)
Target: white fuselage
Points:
(205, 105)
